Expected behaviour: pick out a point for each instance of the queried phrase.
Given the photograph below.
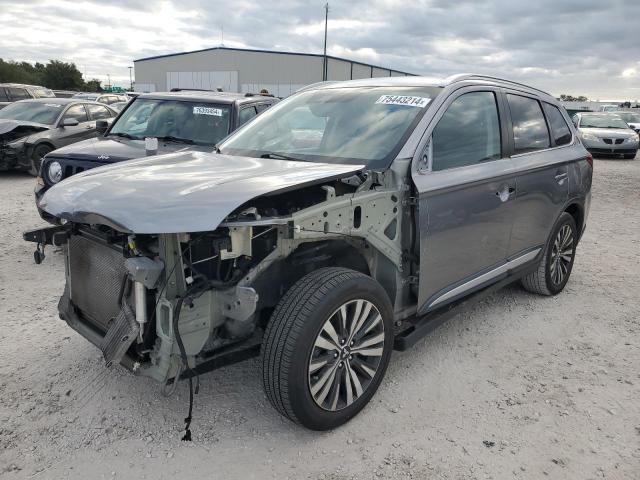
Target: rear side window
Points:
(3, 95)
(98, 112)
(18, 93)
(468, 133)
(78, 112)
(530, 131)
(560, 131)
(247, 114)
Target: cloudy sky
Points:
(578, 47)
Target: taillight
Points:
(589, 159)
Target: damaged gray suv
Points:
(345, 222)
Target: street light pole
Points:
(326, 21)
(130, 80)
(109, 81)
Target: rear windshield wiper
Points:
(169, 138)
(279, 156)
(124, 135)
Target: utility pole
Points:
(109, 81)
(325, 68)
(130, 80)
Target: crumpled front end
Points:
(14, 146)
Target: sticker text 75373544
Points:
(407, 100)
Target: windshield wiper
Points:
(279, 156)
(124, 135)
(169, 138)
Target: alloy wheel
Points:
(346, 355)
(562, 254)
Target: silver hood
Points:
(178, 192)
(608, 132)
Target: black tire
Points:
(36, 157)
(292, 336)
(544, 280)
(630, 156)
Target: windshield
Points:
(339, 125)
(46, 113)
(629, 117)
(602, 121)
(190, 122)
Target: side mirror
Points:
(101, 126)
(70, 122)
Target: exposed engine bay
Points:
(174, 305)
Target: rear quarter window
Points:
(560, 131)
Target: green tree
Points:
(62, 75)
(93, 85)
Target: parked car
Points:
(13, 92)
(29, 129)
(606, 134)
(415, 197)
(118, 106)
(631, 118)
(106, 98)
(64, 93)
(194, 120)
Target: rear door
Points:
(540, 156)
(466, 187)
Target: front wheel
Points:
(36, 158)
(327, 347)
(556, 264)
(630, 156)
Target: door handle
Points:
(561, 176)
(505, 193)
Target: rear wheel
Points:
(327, 347)
(556, 264)
(36, 158)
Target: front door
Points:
(466, 194)
(85, 128)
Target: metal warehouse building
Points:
(242, 70)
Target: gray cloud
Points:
(564, 46)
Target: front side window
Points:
(45, 113)
(77, 112)
(180, 121)
(530, 131)
(246, 114)
(18, 93)
(3, 95)
(559, 128)
(468, 133)
(336, 125)
(99, 112)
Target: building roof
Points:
(274, 52)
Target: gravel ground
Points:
(518, 387)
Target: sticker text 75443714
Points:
(407, 100)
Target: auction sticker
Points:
(406, 100)
(216, 112)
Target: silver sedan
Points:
(606, 134)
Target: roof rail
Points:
(194, 90)
(468, 76)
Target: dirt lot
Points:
(519, 387)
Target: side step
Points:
(422, 326)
